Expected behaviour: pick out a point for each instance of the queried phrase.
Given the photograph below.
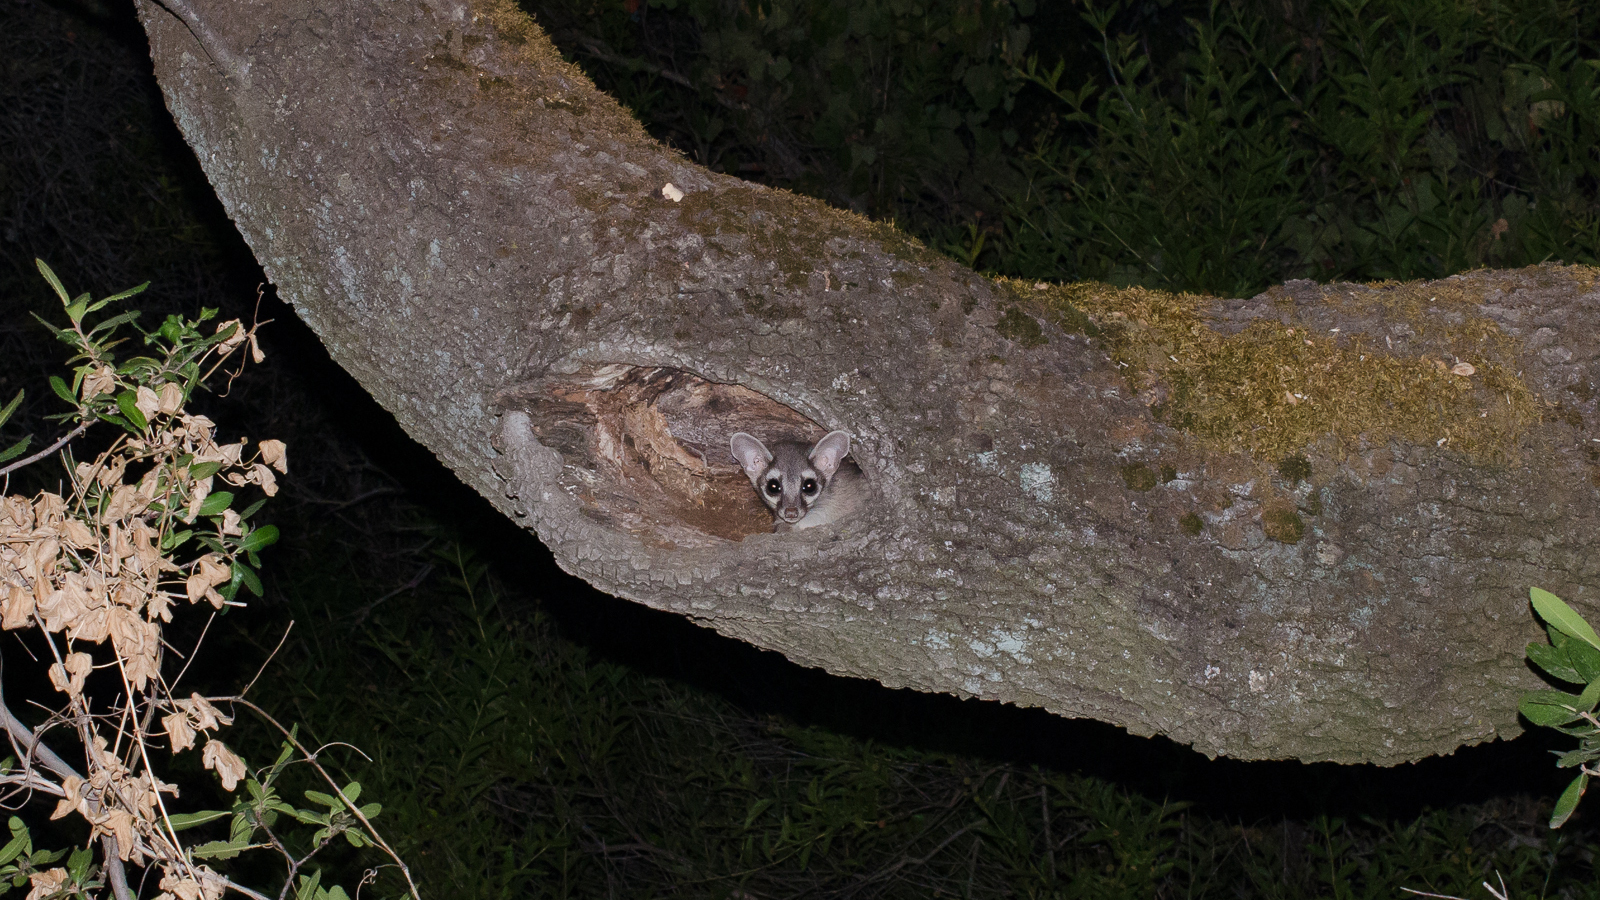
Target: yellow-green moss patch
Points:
(1274, 389)
(1282, 523)
(1295, 468)
(1138, 477)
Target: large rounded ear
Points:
(829, 452)
(751, 454)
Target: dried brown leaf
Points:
(68, 676)
(58, 610)
(93, 626)
(111, 471)
(18, 511)
(206, 716)
(275, 453)
(48, 510)
(138, 643)
(148, 402)
(171, 398)
(17, 607)
(46, 884)
(101, 381)
(143, 668)
(228, 765)
(263, 476)
(198, 493)
(78, 535)
(72, 796)
(119, 824)
(159, 606)
(179, 731)
(126, 501)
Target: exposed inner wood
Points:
(646, 449)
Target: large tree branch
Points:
(1062, 517)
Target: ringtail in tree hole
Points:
(805, 485)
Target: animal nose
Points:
(790, 514)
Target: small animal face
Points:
(791, 477)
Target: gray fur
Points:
(804, 485)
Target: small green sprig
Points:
(1572, 656)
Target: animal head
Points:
(791, 477)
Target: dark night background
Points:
(95, 179)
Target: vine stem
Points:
(67, 439)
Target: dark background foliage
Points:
(530, 737)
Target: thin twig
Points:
(172, 688)
(70, 436)
(362, 613)
(268, 660)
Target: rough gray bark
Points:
(481, 238)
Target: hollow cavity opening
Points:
(645, 449)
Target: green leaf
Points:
(5, 413)
(111, 324)
(1590, 696)
(126, 401)
(50, 276)
(175, 539)
(1549, 708)
(240, 829)
(327, 800)
(78, 308)
(1575, 758)
(311, 816)
(180, 821)
(280, 806)
(78, 864)
(1562, 617)
(1584, 658)
(216, 502)
(1569, 801)
(287, 750)
(265, 536)
(220, 849)
(204, 469)
(1554, 662)
(123, 295)
(62, 391)
(16, 450)
(16, 847)
(243, 574)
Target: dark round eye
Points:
(808, 487)
(774, 486)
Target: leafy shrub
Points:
(1358, 139)
(1572, 656)
(148, 528)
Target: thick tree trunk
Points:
(1067, 511)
